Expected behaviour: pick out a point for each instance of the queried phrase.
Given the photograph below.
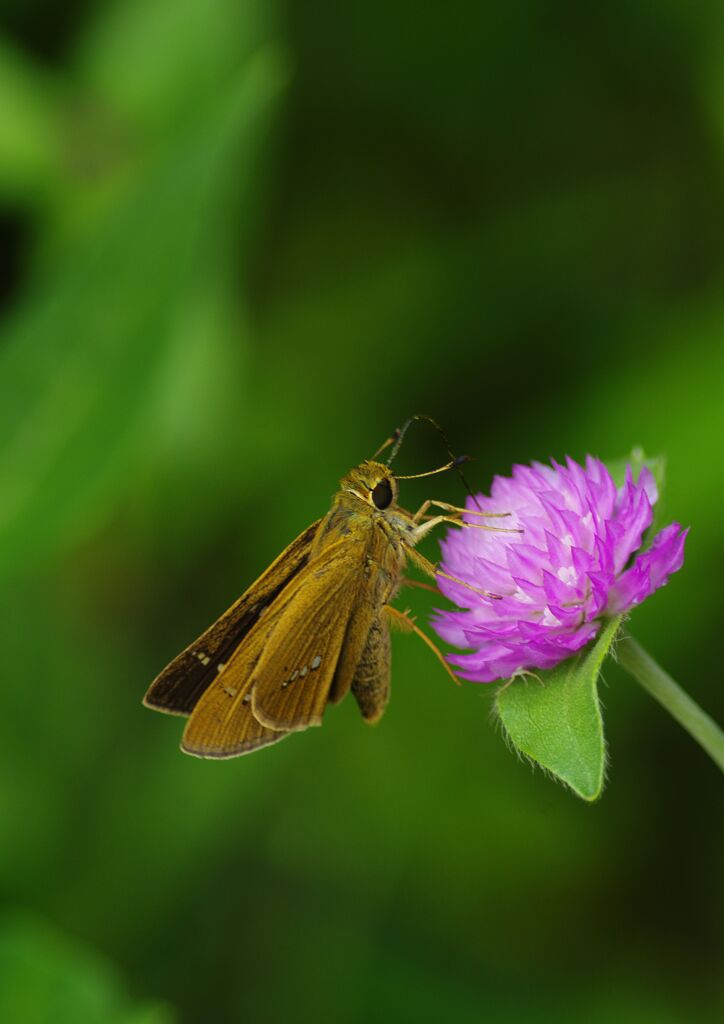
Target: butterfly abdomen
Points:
(371, 683)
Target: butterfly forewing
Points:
(294, 676)
(183, 682)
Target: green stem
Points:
(669, 694)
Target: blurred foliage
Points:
(240, 243)
(44, 977)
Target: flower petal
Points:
(650, 570)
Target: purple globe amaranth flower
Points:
(574, 564)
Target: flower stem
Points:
(669, 694)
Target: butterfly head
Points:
(373, 483)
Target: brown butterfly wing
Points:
(294, 675)
(380, 586)
(222, 723)
(313, 659)
(225, 721)
(183, 682)
(355, 640)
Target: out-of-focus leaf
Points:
(158, 62)
(29, 127)
(554, 717)
(80, 361)
(46, 976)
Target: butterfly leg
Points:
(421, 529)
(405, 582)
(420, 515)
(406, 624)
(433, 571)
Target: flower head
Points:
(576, 561)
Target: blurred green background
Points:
(240, 243)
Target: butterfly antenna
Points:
(455, 460)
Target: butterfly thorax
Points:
(373, 538)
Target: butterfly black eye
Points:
(382, 494)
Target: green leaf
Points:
(30, 124)
(83, 359)
(554, 717)
(46, 975)
(156, 63)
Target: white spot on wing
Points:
(316, 662)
